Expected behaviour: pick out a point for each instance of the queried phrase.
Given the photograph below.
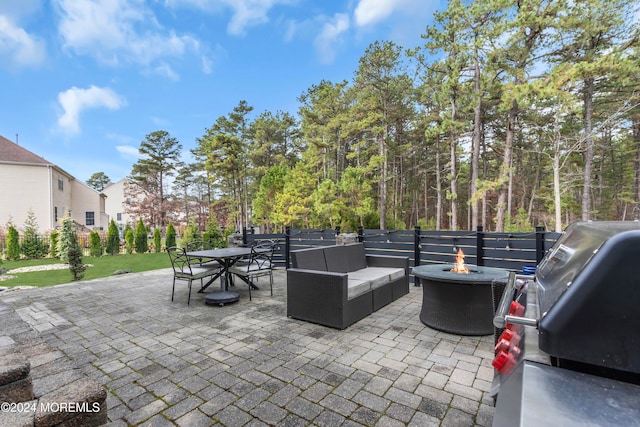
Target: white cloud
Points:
(207, 65)
(245, 13)
(19, 49)
(115, 31)
(75, 100)
(165, 70)
(128, 152)
(329, 38)
(369, 12)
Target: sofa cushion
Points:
(309, 259)
(336, 258)
(377, 276)
(356, 256)
(357, 287)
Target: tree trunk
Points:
(383, 184)
(556, 177)
(453, 183)
(475, 149)
(506, 167)
(588, 151)
(438, 188)
(636, 140)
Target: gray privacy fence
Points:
(511, 251)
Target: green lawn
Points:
(101, 267)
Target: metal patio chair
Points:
(199, 245)
(259, 263)
(183, 269)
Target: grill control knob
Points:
(504, 362)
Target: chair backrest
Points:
(262, 254)
(179, 260)
(197, 245)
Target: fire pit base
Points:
(457, 303)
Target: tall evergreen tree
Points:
(160, 159)
(141, 239)
(113, 239)
(98, 181)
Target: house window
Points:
(90, 218)
(55, 214)
(119, 217)
(60, 184)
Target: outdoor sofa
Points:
(339, 285)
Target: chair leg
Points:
(189, 298)
(173, 289)
(249, 288)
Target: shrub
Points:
(66, 240)
(74, 257)
(70, 250)
(33, 245)
(13, 244)
(95, 244)
(191, 233)
(142, 245)
(113, 239)
(157, 240)
(128, 241)
(212, 235)
(53, 243)
(170, 238)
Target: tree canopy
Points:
(510, 114)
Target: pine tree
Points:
(74, 256)
(32, 244)
(212, 235)
(157, 240)
(66, 241)
(191, 233)
(70, 250)
(129, 241)
(170, 238)
(113, 239)
(13, 244)
(142, 245)
(53, 243)
(95, 244)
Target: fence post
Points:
(416, 246)
(287, 246)
(539, 244)
(360, 234)
(337, 230)
(416, 252)
(480, 246)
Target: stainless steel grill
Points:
(568, 352)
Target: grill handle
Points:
(502, 316)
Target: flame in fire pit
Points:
(460, 267)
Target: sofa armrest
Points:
(318, 297)
(388, 261)
(325, 285)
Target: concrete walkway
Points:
(246, 364)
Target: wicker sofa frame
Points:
(317, 284)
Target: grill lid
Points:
(590, 289)
(571, 253)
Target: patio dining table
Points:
(226, 257)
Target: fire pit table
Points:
(458, 303)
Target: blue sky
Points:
(83, 81)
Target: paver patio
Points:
(246, 364)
